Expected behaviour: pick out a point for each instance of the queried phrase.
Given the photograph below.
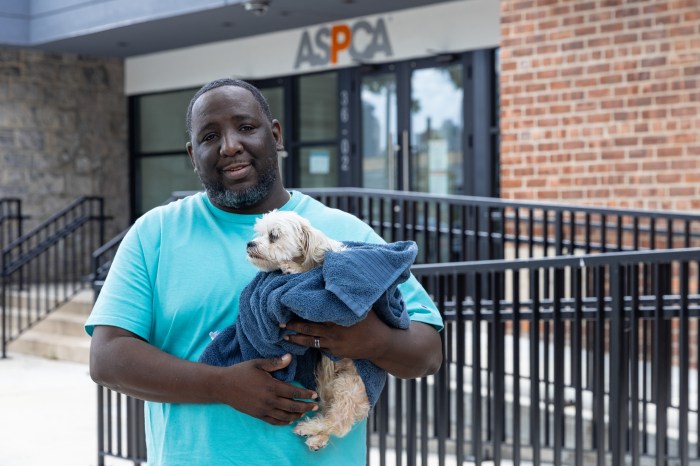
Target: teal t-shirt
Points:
(175, 279)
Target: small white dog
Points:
(286, 241)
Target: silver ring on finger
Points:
(317, 343)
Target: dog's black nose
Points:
(250, 245)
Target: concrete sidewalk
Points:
(47, 413)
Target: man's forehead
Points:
(231, 98)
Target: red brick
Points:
(682, 191)
(610, 97)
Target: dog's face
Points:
(281, 238)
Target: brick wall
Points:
(63, 132)
(600, 102)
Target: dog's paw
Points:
(316, 442)
(307, 428)
(313, 430)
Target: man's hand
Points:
(364, 340)
(410, 353)
(250, 388)
(123, 362)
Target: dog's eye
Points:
(273, 237)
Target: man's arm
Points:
(411, 353)
(123, 362)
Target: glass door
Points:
(379, 130)
(436, 130)
(412, 128)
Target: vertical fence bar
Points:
(442, 378)
(425, 415)
(438, 234)
(545, 236)
(476, 370)
(460, 364)
(383, 427)
(100, 425)
(559, 233)
(603, 233)
(634, 363)
(684, 371)
(599, 368)
(618, 374)
(497, 356)
(535, 366)
(411, 420)
(464, 234)
(516, 232)
(659, 384)
(558, 423)
(426, 232)
(398, 421)
(515, 291)
(577, 369)
(4, 307)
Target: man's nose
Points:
(230, 145)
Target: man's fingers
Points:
(289, 412)
(275, 364)
(284, 390)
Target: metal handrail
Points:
(45, 267)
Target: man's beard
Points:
(241, 199)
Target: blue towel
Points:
(342, 291)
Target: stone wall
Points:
(600, 102)
(63, 132)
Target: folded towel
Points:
(350, 283)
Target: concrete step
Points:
(58, 322)
(61, 334)
(53, 346)
(37, 298)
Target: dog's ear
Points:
(313, 244)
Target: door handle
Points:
(405, 155)
(391, 151)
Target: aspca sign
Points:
(361, 40)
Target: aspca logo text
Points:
(361, 40)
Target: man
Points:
(176, 279)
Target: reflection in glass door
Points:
(379, 126)
(437, 104)
(412, 129)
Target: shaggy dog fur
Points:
(286, 241)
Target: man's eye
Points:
(208, 137)
(247, 128)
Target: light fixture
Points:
(257, 7)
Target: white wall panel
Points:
(455, 26)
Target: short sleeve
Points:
(126, 297)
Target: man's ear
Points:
(188, 146)
(277, 133)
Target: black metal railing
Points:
(11, 219)
(465, 228)
(479, 233)
(600, 367)
(45, 267)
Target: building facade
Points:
(590, 102)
